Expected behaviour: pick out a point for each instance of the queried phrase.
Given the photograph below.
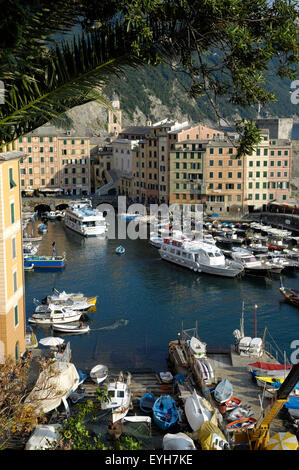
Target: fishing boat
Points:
(64, 296)
(58, 306)
(74, 329)
(99, 373)
(252, 266)
(62, 315)
(223, 391)
(120, 250)
(147, 402)
(52, 215)
(46, 262)
(195, 411)
(120, 397)
(291, 295)
(239, 412)
(77, 395)
(241, 424)
(199, 257)
(197, 347)
(83, 219)
(165, 412)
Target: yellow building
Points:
(12, 291)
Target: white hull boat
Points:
(179, 441)
(82, 306)
(200, 257)
(120, 398)
(99, 373)
(50, 318)
(74, 329)
(83, 219)
(195, 411)
(197, 347)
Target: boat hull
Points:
(46, 262)
(165, 412)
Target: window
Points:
(12, 213)
(12, 184)
(258, 151)
(13, 248)
(30, 159)
(41, 139)
(66, 181)
(265, 151)
(16, 315)
(50, 139)
(41, 149)
(220, 150)
(43, 182)
(257, 196)
(82, 141)
(230, 175)
(15, 281)
(211, 151)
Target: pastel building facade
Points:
(12, 290)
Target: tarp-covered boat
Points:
(211, 438)
(223, 391)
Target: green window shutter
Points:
(11, 181)
(12, 213)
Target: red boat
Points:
(272, 247)
(269, 366)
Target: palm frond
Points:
(67, 76)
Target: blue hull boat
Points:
(45, 262)
(120, 250)
(165, 412)
(147, 402)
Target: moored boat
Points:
(74, 329)
(83, 219)
(291, 295)
(120, 250)
(241, 424)
(46, 262)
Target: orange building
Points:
(12, 290)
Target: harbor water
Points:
(143, 302)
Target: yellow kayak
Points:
(268, 380)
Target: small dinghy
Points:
(120, 250)
(165, 412)
(166, 377)
(147, 402)
(99, 373)
(195, 411)
(223, 391)
(74, 329)
(179, 441)
(239, 412)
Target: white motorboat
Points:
(63, 296)
(83, 219)
(57, 306)
(120, 397)
(166, 377)
(60, 315)
(74, 329)
(199, 257)
(252, 266)
(197, 347)
(99, 373)
(196, 412)
(156, 242)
